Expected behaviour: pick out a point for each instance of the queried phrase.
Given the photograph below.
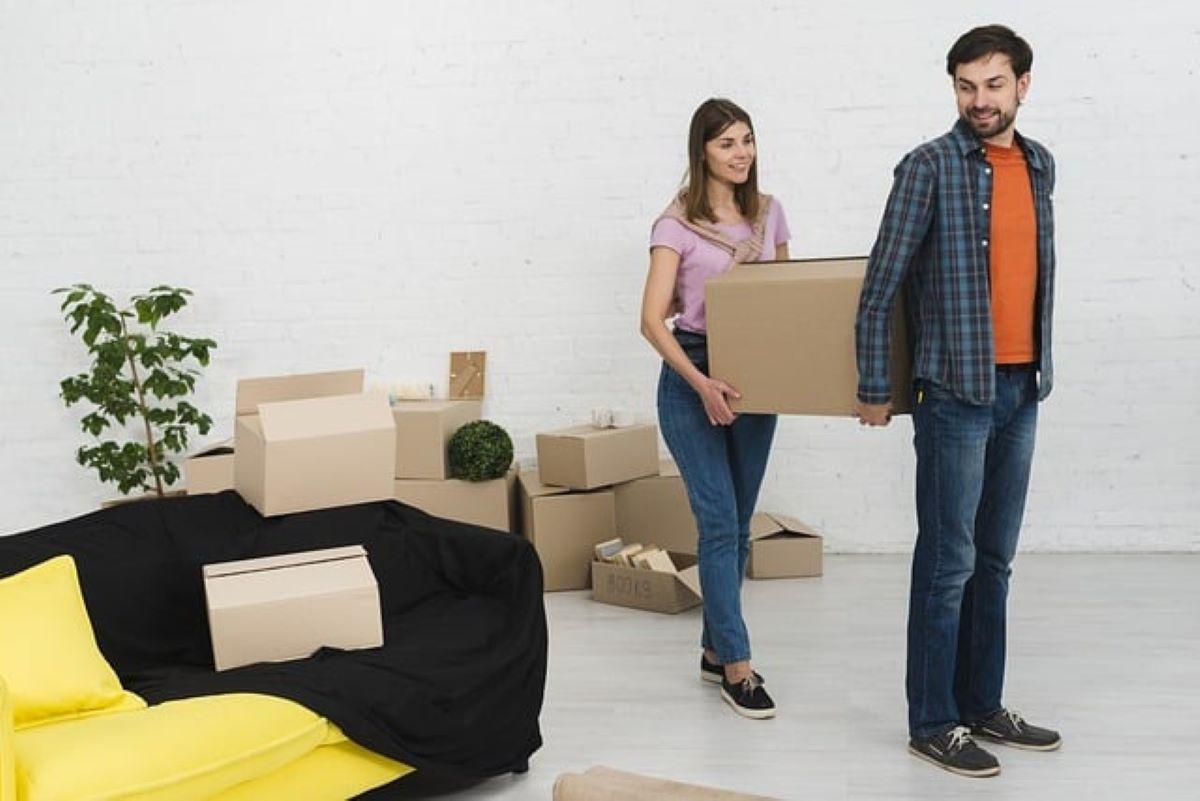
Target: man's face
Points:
(988, 93)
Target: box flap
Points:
(221, 448)
(531, 483)
(690, 578)
(770, 524)
(259, 564)
(253, 391)
(589, 431)
(431, 406)
(320, 417)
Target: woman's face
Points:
(730, 155)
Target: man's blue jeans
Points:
(722, 468)
(973, 467)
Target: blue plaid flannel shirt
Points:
(933, 245)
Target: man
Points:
(968, 236)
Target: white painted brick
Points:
(377, 184)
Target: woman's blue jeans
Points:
(722, 468)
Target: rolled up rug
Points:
(606, 784)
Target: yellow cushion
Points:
(330, 773)
(126, 703)
(48, 653)
(175, 751)
(8, 768)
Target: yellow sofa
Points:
(69, 731)
(238, 747)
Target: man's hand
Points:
(873, 414)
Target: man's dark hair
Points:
(985, 40)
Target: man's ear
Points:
(1023, 86)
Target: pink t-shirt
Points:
(700, 259)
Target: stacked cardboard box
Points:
(588, 457)
(569, 502)
(481, 503)
(656, 508)
(423, 432)
(564, 526)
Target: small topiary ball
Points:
(480, 451)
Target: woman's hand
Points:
(715, 395)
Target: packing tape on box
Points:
(410, 391)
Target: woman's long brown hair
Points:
(709, 122)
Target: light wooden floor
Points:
(1104, 647)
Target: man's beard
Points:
(994, 125)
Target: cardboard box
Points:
(251, 392)
(423, 430)
(480, 503)
(285, 607)
(210, 469)
(317, 453)
(652, 590)
(586, 457)
(782, 334)
(564, 528)
(656, 509)
(783, 547)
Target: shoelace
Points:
(960, 736)
(750, 684)
(1015, 719)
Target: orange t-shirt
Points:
(1013, 262)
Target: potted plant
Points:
(139, 373)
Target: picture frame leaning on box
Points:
(717, 220)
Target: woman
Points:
(716, 221)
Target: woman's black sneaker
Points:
(712, 672)
(956, 752)
(1008, 728)
(748, 698)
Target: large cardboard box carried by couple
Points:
(782, 335)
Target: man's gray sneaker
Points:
(956, 752)
(1009, 728)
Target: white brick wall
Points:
(375, 183)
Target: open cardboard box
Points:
(334, 447)
(783, 547)
(210, 469)
(652, 590)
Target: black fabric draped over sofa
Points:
(455, 690)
